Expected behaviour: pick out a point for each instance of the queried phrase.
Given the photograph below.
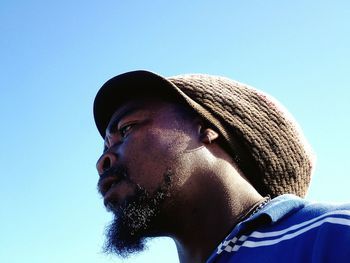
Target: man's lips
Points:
(109, 179)
(104, 185)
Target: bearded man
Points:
(216, 165)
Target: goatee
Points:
(136, 219)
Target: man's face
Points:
(146, 160)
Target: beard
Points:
(136, 219)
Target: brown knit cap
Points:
(260, 135)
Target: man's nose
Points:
(106, 161)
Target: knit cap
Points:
(258, 132)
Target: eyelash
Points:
(123, 130)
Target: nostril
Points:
(106, 164)
(106, 161)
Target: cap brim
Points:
(130, 85)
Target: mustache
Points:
(116, 171)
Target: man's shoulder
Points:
(317, 213)
(313, 230)
(299, 217)
(302, 229)
(290, 207)
(321, 230)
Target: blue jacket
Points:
(289, 229)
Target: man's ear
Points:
(208, 135)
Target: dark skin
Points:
(208, 194)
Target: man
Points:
(214, 164)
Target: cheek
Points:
(150, 157)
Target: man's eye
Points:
(124, 130)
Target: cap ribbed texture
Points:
(273, 145)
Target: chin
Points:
(135, 221)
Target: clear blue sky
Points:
(54, 55)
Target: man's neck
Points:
(202, 227)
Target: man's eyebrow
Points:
(113, 124)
